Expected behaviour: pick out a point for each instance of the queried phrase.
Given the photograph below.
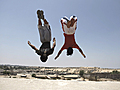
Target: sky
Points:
(98, 32)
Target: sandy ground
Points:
(44, 84)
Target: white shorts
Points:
(70, 30)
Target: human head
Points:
(69, 51)
(44, 57)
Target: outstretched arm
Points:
(54, 43)
(32, 46)
(58, 54)
(80, 50)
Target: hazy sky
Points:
(98, 32)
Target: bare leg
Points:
(45, 21)
(68, 24)
(72, 22)
(32, 46)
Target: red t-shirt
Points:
(69, 42)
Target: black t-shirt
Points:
(45, 48)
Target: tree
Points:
(33, 75)
(115, 72)
(81, 73)
(6, 73)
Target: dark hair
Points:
(44, 57)
(69, 51)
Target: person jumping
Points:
(69, 28)
(45, 38)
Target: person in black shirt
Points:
(45, 37)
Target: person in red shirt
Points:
(69, 28)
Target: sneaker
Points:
(40, 14)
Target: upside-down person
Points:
(45, 38)
(69, 28)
